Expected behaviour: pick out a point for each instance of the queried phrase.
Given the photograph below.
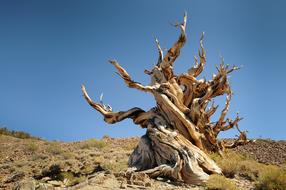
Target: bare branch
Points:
(202, 52)
(109, 116)
(174, 51)
(219, 123)
(211, 110)
(234, 68)
(197, 69)
(96, 106)
(160, 59)
(127, 79)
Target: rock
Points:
(148, 184)
(139, 179)
(45, 179)
(16, 176)
(66, 181)
(265, 151)
(4, 166)
(45, 186)
(139, 183)
(25, 185)
(123, 185)
(242, 183)
(55, 183)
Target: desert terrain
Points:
(32, 163)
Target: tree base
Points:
(165, 153)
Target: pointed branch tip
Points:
(202, 36)
(113, 62)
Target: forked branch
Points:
(109, 116)
(174, 51)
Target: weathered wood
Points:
(180, 132)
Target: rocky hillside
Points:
(32, 163)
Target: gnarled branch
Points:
(113, 117)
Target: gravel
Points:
(265, 151)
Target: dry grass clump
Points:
(272, 178)
(228, 163)
(267, 177)
(236, 164)
(115, 166)
(129, 146)
(218, 182)
(71, 179)
(54, 148)
(250, 169)
(32, 146)
(67, 155)
(91, 143)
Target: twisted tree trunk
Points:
(179, 129)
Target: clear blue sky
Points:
(49, 48)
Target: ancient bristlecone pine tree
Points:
(180, 133)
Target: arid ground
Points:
(101, 164)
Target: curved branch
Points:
(197, 69)
(232, 123)
(211, 110)
(219, 124)
(113, 117)
(174, 51)
(241, 140)
(127, 79)
(161, 56)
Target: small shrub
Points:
(71, 178)
(32, 147)
(218, 182)
(106, 137)
(115, 166)
(229, 163)
(67, 155)
(236, 164)
(93, 143)
(21, 135)
(88, 169)
(99, 159)
(250, 169)
(20, 164)
(272, 178)
(215, 156)
(129, 146)
(54, 148)
(37, 156)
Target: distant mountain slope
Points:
(17, 134)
